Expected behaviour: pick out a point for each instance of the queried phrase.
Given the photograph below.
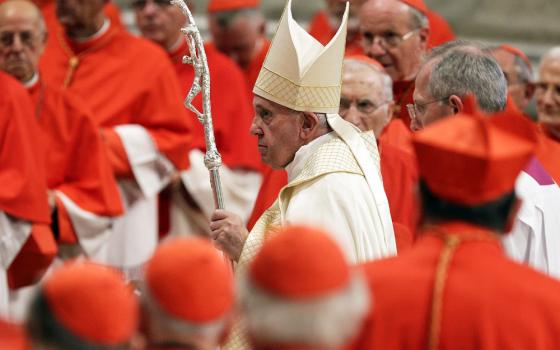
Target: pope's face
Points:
(547, 95)
(277, 129)
(21, 42)
(388, 37)
(159, 21)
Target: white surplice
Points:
(535, 237)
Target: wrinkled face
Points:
(159, 21)
(427, 108)
(79, 14)
(516, 88)
(363, 101)
(278, 131)
(22, 42)
(547, 95)
(239, 40)
(388, 37)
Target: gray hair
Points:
(322, 120)
(328, 321)
(225, 19)
(464, 67)
(173, 325)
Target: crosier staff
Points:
(201, 84)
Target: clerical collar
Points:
(104, 29)
(32, 82)
(296, 166)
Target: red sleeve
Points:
(22, 174)
(164, 116)
(89, 180)
(66, 233)
(34, 258)
(116, 153)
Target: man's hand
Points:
(228, 232)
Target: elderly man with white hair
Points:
(367, 102)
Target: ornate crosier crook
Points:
(201, 84)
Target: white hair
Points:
(328, 321)
(386, 81)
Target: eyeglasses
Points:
(140, 4)
(417, 109)
(363, 105)
(388, 39)
(543, 87)
(27, 38)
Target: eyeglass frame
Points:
(383, 42)
(353, 102)
(141, 4)
(413, 111)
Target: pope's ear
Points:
(309, 124)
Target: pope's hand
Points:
(228, 232)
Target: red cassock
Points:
(232, 111)
(23, 181)
(320, 28)
(76, 162)
(125, 80)
(440, 31)
(48, 7)
(400, 177)
(488, 301)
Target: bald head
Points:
(367, 95)
(22, 38)
(238, 34)
(24, 9)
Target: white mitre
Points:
(299, 72)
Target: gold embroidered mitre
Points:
(299, 72)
